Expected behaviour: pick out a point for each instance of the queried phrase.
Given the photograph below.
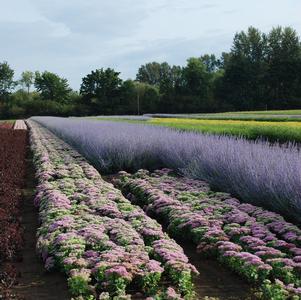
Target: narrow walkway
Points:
(35, 283)
(20, 124)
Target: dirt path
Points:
(35, 283)
(214, 280)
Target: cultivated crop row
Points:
(106, 246)
(12, 173)
(256, 172)
(257, 244)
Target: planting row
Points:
(12, 174)
(106, 246)
(261, 174)
(257, 244)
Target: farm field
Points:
(12, 174)
(282, 131)
(132, 211)
(272, 131)
(266, 115)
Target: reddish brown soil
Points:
(12, 174)
(22, 275)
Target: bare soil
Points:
(35, 282)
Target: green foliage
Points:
(101, 89)
(6, 80)
(27, 79)
(52, 87)
(273, 291)
(150, 282)
(78, 286)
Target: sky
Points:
(74, 37)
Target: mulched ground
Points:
(6, 125)
(22, 274)
(12, 175)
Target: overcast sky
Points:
(73, 37)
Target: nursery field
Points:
(250, 236)
(132, 211)
(272, 131)
(12, 172)
(265, 115)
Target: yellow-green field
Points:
(270, 115)
(273, 131)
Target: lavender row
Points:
(104, 244)
(257, 172)
(257, 244)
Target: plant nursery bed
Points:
(258, 245)
(214, 280)
(12, 173)
(34, 281)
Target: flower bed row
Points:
(106, 246)
(259, 245)
(12, 174)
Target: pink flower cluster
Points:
(95, 235)
(257, 244)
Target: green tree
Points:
(7, 82)
(150, 73)
(211, 62)
(245, 68)
(196, 78)
(101, 88)
(283, 59)
(27, 80)
(52, 87)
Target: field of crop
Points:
(266, 115)
(106, 246)
(130, 210)
(257, 244)
(276, 130)
(12, 173)
(273, 131)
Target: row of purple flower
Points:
(106, 245)
(258, 244)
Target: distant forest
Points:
(261, 71)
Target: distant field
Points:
(270, 112)
(273, 131)
(289, 131)
(271, 116)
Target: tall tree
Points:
(283, 58)
(27, 79)
(51, 86)
(245, 69)
(101, 88)
(7, 82)
(150, 73)
(210, 61)
(196, 77)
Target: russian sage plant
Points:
(255, 171)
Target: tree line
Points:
(261, 71)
